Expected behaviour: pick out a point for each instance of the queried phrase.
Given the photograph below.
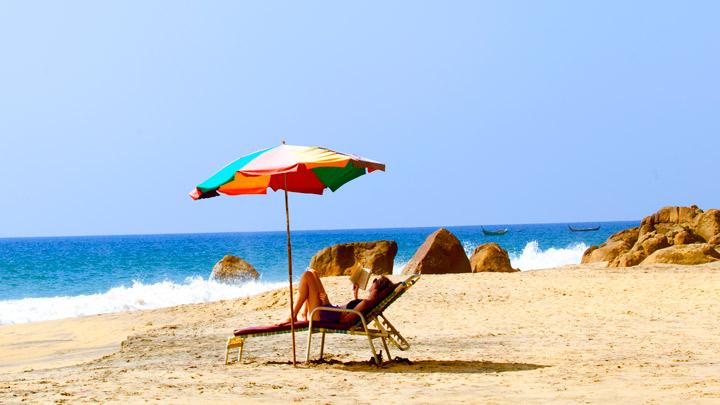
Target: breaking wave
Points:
(138, 296)
(532, 257)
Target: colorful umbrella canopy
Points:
(300, 169)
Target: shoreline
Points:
(577, 332)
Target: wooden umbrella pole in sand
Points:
(289, 253)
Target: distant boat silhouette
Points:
(583, 229)
(496, 232)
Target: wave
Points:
(532, 257)
(138, 296)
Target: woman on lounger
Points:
(312, 293)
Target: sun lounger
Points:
(374, 316)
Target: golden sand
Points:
(571, 334)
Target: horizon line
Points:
(307, 230)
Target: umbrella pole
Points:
(289, 253)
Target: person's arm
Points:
(355, 290)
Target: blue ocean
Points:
(61, 277)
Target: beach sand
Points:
(585, 333)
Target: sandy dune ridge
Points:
(581, 333)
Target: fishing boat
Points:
(495, 232)
(583, 229)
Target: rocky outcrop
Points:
(342, 259)
(232, 269)
(696, 253)
(490, 257)
(441, 253)
(644, 247)
(707, 225)
(682, 230)
(616, 245)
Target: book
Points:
(360, 277)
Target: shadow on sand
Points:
(422, 366)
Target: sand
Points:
(649, 334)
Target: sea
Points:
(46, 278)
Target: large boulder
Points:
(490, 257)
(707, 224)
(696, 253)
(616, 245)
(342, 259)
(232, 269)
(644, 247)
(441, 253)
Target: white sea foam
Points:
(398, 267)
(138, 296)
(532, 257)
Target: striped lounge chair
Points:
(374, 316)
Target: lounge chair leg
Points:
(307, 352)
(234, 342)
(322, 345)
(374, 353)
(387, 351)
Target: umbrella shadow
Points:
(401, 365)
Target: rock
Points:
(684, 237)
(441, 253)
(342, 259)
(644, 247)
(490, 257)
(667, 217)
(696, 253)
(616, 245)
(707, 224)
(669, 226)
(232, 269)
(675, 215)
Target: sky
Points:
(484, 112)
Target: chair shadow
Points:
(424, 366)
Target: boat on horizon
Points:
(597, 228)
(495, 232)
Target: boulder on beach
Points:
(644, 247)
(707, 225)
(232, 269)
(490, 257)
(617, 244)
(696, 253)
(441, 253)
(342, 259)
(673, 228)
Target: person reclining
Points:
(311, 294)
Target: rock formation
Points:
(680, 235)
(441, 253)
(232, 269)
(339, 260)
(617, 244)
(490, 257)
(695, 253)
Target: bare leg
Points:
(309, 293)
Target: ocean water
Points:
(61, 277)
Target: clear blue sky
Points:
(485, 112)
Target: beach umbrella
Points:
(300, 169)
